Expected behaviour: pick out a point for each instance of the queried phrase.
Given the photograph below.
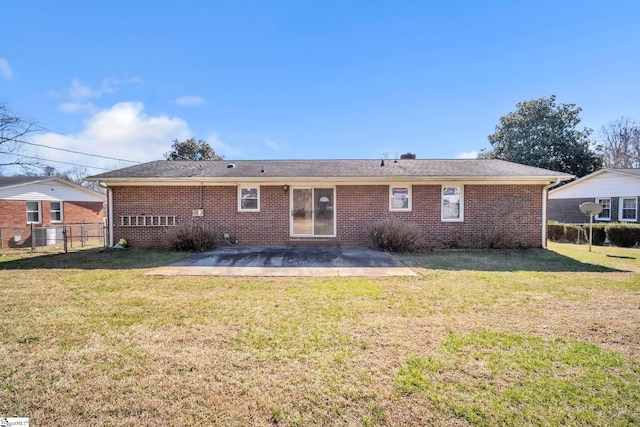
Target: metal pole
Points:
(590, 231)
(33, 239)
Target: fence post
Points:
(1, 239)
(64, 238)
(82, 234)
(33, 239)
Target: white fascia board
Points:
(435, 180)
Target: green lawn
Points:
(523, 337)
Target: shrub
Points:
(392, 235)
(555, 232)
(193, 236)
(599, 234)
(624, 235)
(572, 232)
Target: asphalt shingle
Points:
(273, 169)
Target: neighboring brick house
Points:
(275, 202)
(617, 190)
(26, 200)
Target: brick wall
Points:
(77, 212)
(512, 210)
(13, 218)
(567, 210)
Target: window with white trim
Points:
(628, 209)
(248, 198)
(56, 211)
(34, 212)
(400, 198)
(452, 206)
(605, 215)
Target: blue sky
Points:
(306, 79)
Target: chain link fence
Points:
(54, 238)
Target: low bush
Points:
(555, 232)
(393, 235)
(572, 232)
(624, 235)
(599, 234)
(193, 236)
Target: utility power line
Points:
(54, 161)
(75, 152)
(43, 128)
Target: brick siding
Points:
(568, 211)
(513, 210)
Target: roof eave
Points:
(145, 181)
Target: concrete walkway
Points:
(287, 261)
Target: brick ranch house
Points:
(42, 201)
(276, 202)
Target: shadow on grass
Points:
(540, 260)
(91, 259)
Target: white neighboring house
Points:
(618, 190)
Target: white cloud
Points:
(79, 94)
(473, 154)
(5, 69)
(272, 144)
(122, 131)
(80, 91)
(74, 107)
(221, 148)
(189, 101)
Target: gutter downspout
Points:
(110, 201)
(545, 195)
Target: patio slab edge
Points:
(174, 270)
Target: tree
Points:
(191, 150)
(620, 144)
(543, 134)
(12, 129)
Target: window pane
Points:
(249, 198)
(56, 211)
(323, 204)
(450, 203)
(33, 212)
(400, 198)
(249, 203)
(629, 208)
(606, 209)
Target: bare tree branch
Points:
(620, 143)
(12, 129)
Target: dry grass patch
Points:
(97, 342)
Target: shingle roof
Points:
(7, 181)
(339, 169)
(627, 171)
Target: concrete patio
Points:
(334, 261)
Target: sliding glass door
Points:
(313, 212)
